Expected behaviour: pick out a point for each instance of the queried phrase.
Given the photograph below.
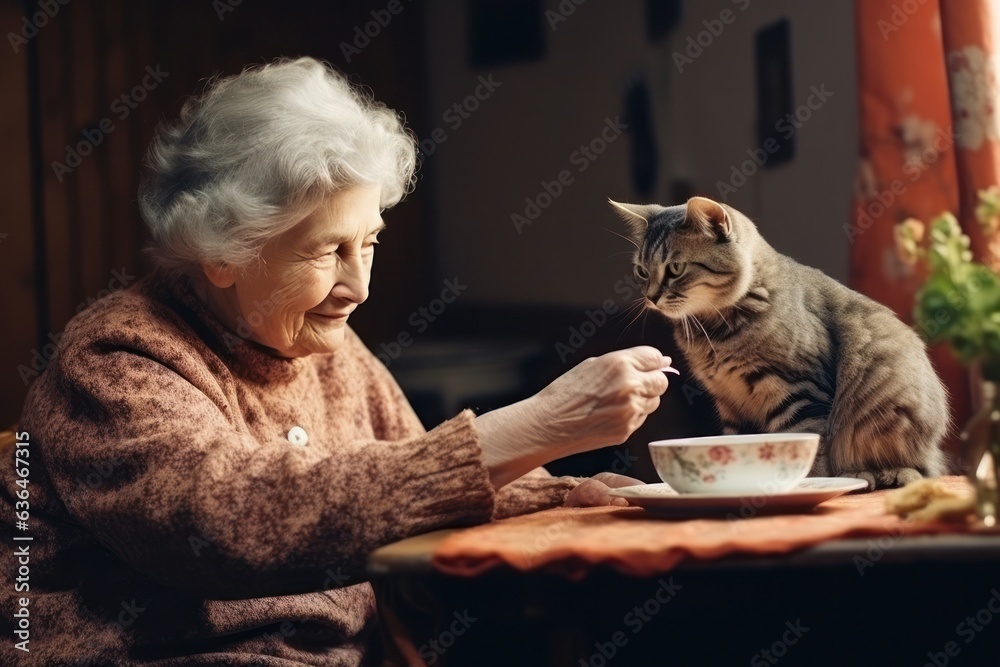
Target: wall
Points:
(801, 206)
(17, 242)
(527, 130)
(68, 237)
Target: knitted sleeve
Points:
(200, 505)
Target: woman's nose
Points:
(352, 282)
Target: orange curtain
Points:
(969, 30)
(929, 140)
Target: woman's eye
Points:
(676, 268)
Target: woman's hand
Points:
(604, 400)
(593, 492)
(597, 404)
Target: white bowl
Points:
(763, 463)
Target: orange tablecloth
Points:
(572, 541)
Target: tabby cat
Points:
(782, 347)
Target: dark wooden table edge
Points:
(413, 556)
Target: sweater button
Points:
(297, 436)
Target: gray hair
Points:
(257, 152)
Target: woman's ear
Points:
(221, 275)
(710, 216)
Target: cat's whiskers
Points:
(632, 241)
(638, 305)
(739, 304)
(712, 306)
(631, 306)
(638, 314)
(687, 331)
(698, 322)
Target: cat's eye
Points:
(641, 273)
(677, 268)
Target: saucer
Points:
(662, 500)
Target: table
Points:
(887, 600)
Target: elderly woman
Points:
(216, 452)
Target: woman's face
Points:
(297, 298)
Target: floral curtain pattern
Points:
(970, 31)
(928, 101)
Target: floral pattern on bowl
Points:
(766, 463)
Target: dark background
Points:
(565, 72)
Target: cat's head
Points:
(691, 259)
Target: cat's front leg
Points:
(730, 418)
(821, 465)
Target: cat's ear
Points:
(710, 216)
(636, 216)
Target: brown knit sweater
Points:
(176, 522)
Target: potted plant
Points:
(959, 305)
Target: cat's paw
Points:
(861, 474)
(885, 479)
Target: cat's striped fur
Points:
(782, 347)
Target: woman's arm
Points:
(204, 507)
(596, 404)
(533, 492)
(514, 442)
(590, 406)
